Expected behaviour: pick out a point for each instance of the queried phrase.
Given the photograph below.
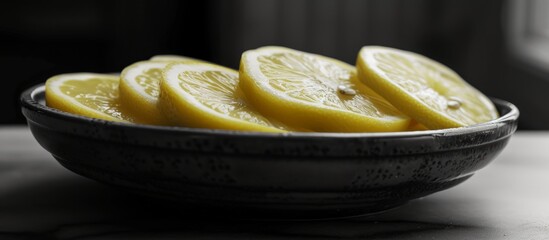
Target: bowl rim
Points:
(29, 100)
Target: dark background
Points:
(39, 39)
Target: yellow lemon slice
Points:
(415, 126)
(86, 94)
(139, 90)
(314, 92)
(205, 95)
(172, 58)
(426, 90)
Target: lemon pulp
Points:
(139, 90)
(426, 90)
(206, 96)
(86, 94)
(314, 92)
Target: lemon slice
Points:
(314, 92)
(205, 95)
(415, 126)
(173, 58)
(426, 90)
(86, 94)
(139, 89)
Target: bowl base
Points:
(247, 204)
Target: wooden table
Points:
(39, 199)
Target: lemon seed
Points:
(454, 102)
(346, 90)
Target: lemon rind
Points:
(58, 100)
(186, 105)
(343, 120)
(367, 71)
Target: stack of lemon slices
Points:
(279, 89)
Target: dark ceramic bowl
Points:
(322, 174)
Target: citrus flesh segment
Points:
(314, 92)
(87, 94)
(139, 90)
(424, 89)
(205, 95)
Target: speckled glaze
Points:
(325, 174)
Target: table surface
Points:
(39, 199)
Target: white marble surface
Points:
(39, 199)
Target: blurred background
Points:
(500, 47)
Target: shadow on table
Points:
(57, 204)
